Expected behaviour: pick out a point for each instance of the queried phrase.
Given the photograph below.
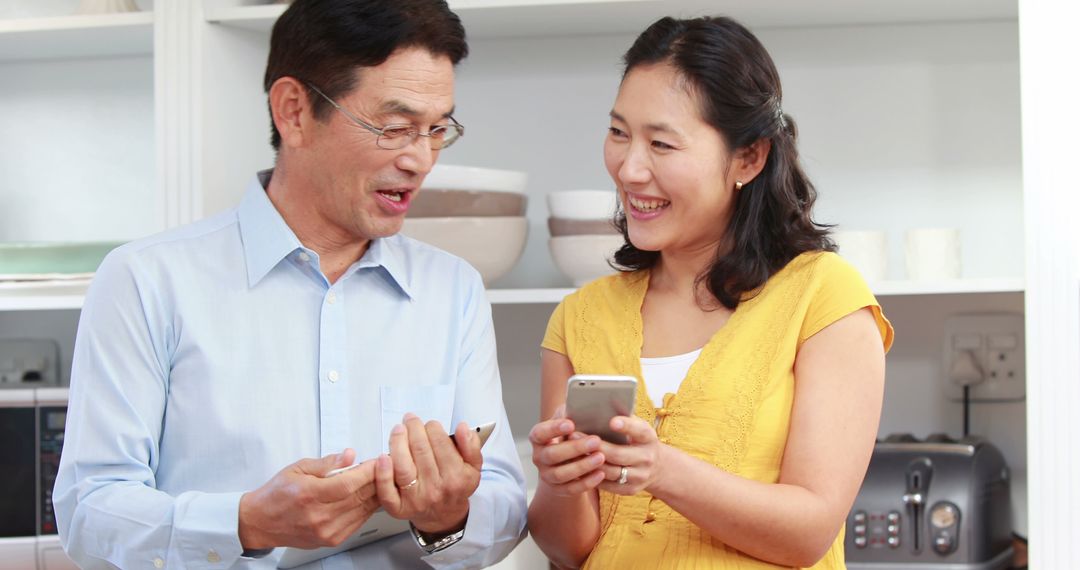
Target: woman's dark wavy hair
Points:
(737, 87)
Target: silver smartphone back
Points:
(593, 399)
(483, 431)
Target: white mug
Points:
(933, 253)
(866, 250)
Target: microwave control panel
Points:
(51, 429)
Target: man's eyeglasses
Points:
(394, 137)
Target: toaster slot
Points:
(918, 475)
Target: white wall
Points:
(77, 150)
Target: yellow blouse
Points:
(733, 408)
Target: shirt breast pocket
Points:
(430, 402)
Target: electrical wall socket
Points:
(986, 351)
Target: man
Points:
(210, 359)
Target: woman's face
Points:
(669, 165)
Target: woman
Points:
(761, 353)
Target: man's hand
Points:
(301, 507)
(426, 479)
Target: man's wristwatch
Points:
(432, 545)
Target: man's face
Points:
(361, 190)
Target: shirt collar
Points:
(389, 254)
(267, 239)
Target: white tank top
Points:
(666, 373)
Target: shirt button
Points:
(304, 256)
(332, 375)
(331, 298)
(159, 563)
(212, 557)
(650, 517)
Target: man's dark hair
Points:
(323, 42)
(727, 70)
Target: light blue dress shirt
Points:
(211, 356)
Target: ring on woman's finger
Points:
(410, 485)
(623, 474)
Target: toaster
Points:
(936, 504)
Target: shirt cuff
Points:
(206, 529)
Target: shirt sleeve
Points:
(555, 336)
(840, 290)
(108, 509)
(498, 508)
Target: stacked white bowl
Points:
(477, 214)
(583, 237)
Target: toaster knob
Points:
(943, 515)
(894, 542)
(945, 527)
(860, 541)
(943, 543)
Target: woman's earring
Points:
(738, 185)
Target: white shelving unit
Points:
(909, 116)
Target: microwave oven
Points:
(31, 438)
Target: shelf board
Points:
(948, 287)
(257, 18)
(881, 289)
(526, 296)
(96, 35)
(70, 296)
(45, 296)
(517, 18)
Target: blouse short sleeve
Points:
(555, 336)
(840, 290)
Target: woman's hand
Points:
(640, 457)
(569, 462)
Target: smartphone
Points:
(593, 399)
(483, 431)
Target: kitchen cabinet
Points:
(909, 116)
